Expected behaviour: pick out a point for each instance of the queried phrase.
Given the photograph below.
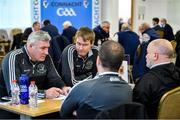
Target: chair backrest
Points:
(131, 110)
(4, 34)
(160, 33)
(169, 105)
(16, 31)
(86, 112)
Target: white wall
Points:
(109, 12)
(19, 12)
(150, 9)
(168, 9)
(173, 15)
(15, 13)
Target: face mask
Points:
(162, 24)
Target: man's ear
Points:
(156, 56)
(98, 62)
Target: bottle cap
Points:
(14, 81)
(33, 82)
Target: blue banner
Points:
(79, 12)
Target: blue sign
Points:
(79, 12)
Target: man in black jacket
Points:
(33, 60)
(162, 77)
(101, 33)
(168, 30)
(78, 61)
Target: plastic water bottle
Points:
(33, 90)
(99, 43)
(15, 93)
(24, 93)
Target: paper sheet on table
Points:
(123, 71)
(61, 97)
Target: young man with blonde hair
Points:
(78, 61)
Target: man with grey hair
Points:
(168, 30)
(101, 32)
(162, 76)
(33, 60)
(69, 31)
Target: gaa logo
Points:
(65, 12)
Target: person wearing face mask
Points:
(101, 32)
(147, 34)
(162, 76)
(168, 31)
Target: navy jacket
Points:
(51, 29)
(168, 32)
(130, 41)
(100, 34)
(103, 92)
(57, 45)
(69, 33)
(139, 65)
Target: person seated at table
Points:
(78, 61)
(162, 76)
(33, 59)
(105, 90)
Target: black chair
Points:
(86, 112)
(16, 41)
(57, 45)
(130, 110)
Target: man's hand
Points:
(66, 90)
(53, 92)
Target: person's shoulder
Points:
(12, 55)
(69, 49)
(94, 47)
(97, 28)
(71, 28)
(85, 84)
(151, 75)
(16, 52)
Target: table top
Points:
(45, 107)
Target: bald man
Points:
(162, 77)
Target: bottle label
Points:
(23, 88)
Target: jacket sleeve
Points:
(54, 79)
(64, 68)
(142, 90)
(71, 103)
(11, 68)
